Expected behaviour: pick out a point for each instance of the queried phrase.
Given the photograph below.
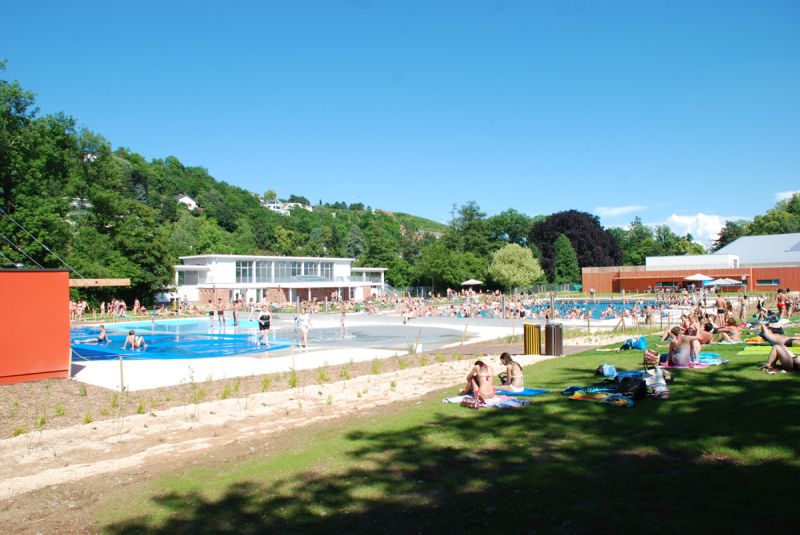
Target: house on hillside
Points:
(187, 201)
(283, 208)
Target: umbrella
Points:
(471, 282)
(724, 282)
(698, 277)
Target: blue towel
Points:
(708, 355)
(528, 392)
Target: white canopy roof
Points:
(697, 277)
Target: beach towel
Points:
(755, 350)
(527, 392)
(498, 402)
(598, 394)
(711, 361)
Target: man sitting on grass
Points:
(681, 348)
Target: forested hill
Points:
(111, 213)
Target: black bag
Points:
(634, 387)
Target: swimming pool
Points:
(595, 309)
(171, 339)
(198, 338)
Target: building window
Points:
(768, 282)
(263, 271)
(295, 269)
(310, 268)
(187, 278)
(281, 271)
(326, 270)
(244, 271)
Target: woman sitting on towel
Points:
(479, 381)
(512, 378)
(681, 348)
(730, 333)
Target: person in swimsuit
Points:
(783, 356)
(211, 312)
(774, 338)
(101, 337)
(512, 379)
(264, 320)
(220, 311)
(729, 333)
(304, 324)
(680, 348)
(134, 341)
(479, 381)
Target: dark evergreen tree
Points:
(593, 245)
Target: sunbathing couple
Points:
(480, 380)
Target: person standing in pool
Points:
(264, 320)
(341, 323)
(236, 306)
(211, 312)
(304, 324)
(220, 311)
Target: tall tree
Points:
(593, 245)
(565, 262)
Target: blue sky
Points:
(683, 113)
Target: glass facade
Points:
(310, 268)
(282, 271)
(295, 268)
(244, 271)
(263, 271)
(326, 270)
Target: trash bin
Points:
(553, 339)
(532, 339)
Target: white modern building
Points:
(277, 279)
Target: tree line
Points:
(111, 213)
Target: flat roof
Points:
(261, 257)
(369, 269)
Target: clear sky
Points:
(684, 113)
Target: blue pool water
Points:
(596, 309)
(170, 339)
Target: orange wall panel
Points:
(34, 314)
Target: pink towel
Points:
(690, 366)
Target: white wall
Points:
(707, 261)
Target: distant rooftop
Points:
(771, 249)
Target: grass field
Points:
(721, 455)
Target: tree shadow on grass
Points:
(714, 458)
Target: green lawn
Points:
(720, 455)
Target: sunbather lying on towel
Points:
(781, 355)
(479, 381)
(774, 338)
(512, 378)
